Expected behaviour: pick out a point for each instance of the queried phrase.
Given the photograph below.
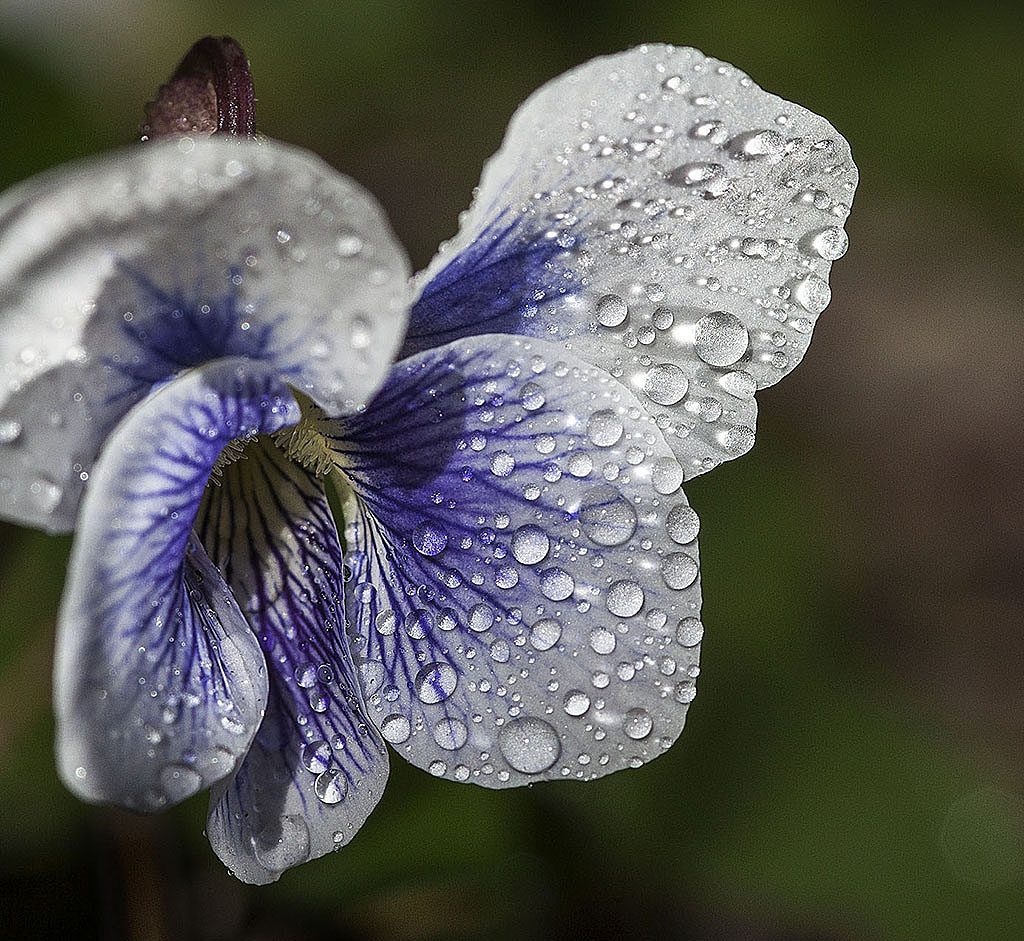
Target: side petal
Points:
(119, 272)
(525, 573)
(159, 683)
(670, 222)
(317, 767)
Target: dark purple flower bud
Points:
(211, 92)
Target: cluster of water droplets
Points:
(536, 614)
(701, 216)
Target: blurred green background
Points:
(854, 764)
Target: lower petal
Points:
(159, 683)
(525, 578)
(317, 767)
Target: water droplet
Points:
(396, 729)
(429, 539)
(481, 617)
(531, 396)
(721, 339)
(306, 676)
(830, 243)
(530, 544)
(665, 384)
(682, 524)
(637, 723)
(689, 632)
(576, 702)
(330, 786)
(666, 476)
(545, 634)
(10, 430)
(611, 310)
(451, 734)
(708, 179)
(812, 293)
(436, 682)
(757, 145)
(502, 464)
(606, 516)
(556, 584)
(604, 428)
(679, 570)
(529, 745)
(624, 598)
(46, 494)
(316, 756)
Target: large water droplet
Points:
(604, 428)
(429, 539)
(611, 310)
(545, 634)
(689, 632)
(721, 339)
(330, 786)
(637, 723)
(682, 524)
(679, 570)
(812, 293)
(316, 756)
(530, 544)
(624, 598)
(10, 430)
(396, 728)
(436, 682)
(529, 744)
(576, 702)
(830, 243)
(556, 584)
(708, 179)
(606, 516)
(665, 384)
(451, 734)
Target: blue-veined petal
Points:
(159, 682)
(316, 768)
(524, 585)
(669, 221)
(117, 273)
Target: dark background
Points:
(854, 764)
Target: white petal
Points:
(117, 272)
(667, 219)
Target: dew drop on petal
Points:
(316, 756)
(606, 516)
(330, 786)
(679, 570)
(665, 384)
(529, 745)
(530, 544)
(689, 632)
(283, 845)
(611, 310)
(429, 539)
(683, 524)
(604, 428)
(436, 682)
(396, 729)
(545, 634)
(637, 723)
(576, 702)
(721, 339)
(625, 598)
(556, 584)
(451, 734)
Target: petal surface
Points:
(316, 768)
(159, 682)
(524, 566)
(667, 220)
(119, 272)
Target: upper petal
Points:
(118, 272)
(159, 683)
(524, 567)
(667, 219)
(316, 768)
